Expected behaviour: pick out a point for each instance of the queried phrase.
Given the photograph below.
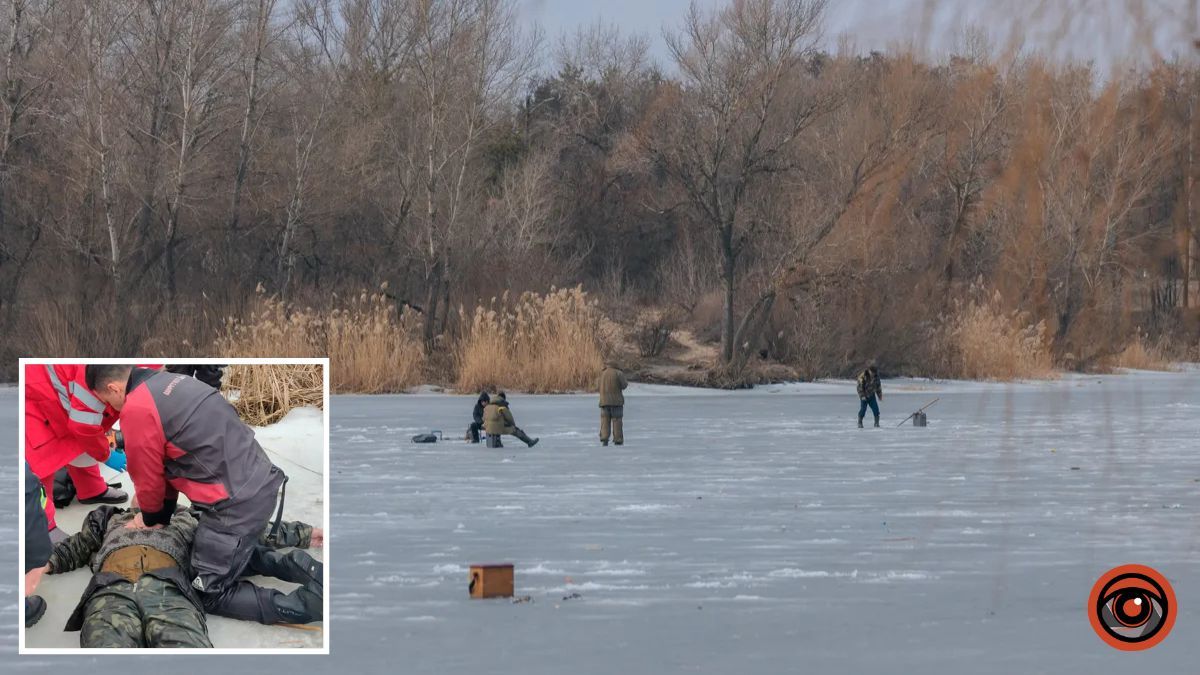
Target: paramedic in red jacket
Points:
(65, 425)
(181, 435)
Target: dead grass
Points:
(982, 341)
(370, 348)
(1144, 354)
(537, 343)
(265, 393)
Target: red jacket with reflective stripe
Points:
(181, 435)
(58, 405)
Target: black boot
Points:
(604, 442)
(860, 423)
(877, 420)
(295, 566)
(521, 435)
(35, 609)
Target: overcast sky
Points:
(1104, 31)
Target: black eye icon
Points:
(1132, 608)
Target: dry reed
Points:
(264, 393)
(539, 343)
(983, 341)
(1143, 354)
(370, 348)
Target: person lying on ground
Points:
(140, 594)
(181, 435)
(498, 421)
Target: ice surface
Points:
(756, 532)
(296, 444)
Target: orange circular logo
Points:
(1132, 607)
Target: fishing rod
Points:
(921, 410)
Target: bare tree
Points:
(726, 128)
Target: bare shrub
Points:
(538, 343)
(653, 330)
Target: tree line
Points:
(162, 159)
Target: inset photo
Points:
(172, 505)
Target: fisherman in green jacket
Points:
(498, 421)
(612, 404)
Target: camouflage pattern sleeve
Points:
(77, 550)
(290, 534)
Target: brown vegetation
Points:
(802, 211)
(264, 394)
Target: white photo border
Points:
(20, 473)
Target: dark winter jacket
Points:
(181, 435)
(209, 374)
(480, 403)
(612, 384)
(869, 385)
(37, 529)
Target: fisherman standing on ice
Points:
(181, 435)
(869, 389)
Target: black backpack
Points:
(431, 437)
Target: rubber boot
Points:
(110, 496)
(295, 566)
(877, 421)
(35, 609)
(604, 442)
(860, 423)
(522, 436)
(247, 602)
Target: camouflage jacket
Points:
(869, 385)
(104, 532)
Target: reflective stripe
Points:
(80, 416)
(84, 417)
(86, 397)
(42, 490)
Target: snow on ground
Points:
(295, 444)
(757, 531)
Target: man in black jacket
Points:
(37, 545)
(477, 416)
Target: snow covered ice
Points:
(757, 531)
(297, 445)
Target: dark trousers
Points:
(474, 430)
(222, 555)
(868, 401)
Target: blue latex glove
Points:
(116, 461)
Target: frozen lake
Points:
(754, 532)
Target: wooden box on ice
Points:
(493, 580)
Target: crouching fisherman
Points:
(477, 417)
(498, 421)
